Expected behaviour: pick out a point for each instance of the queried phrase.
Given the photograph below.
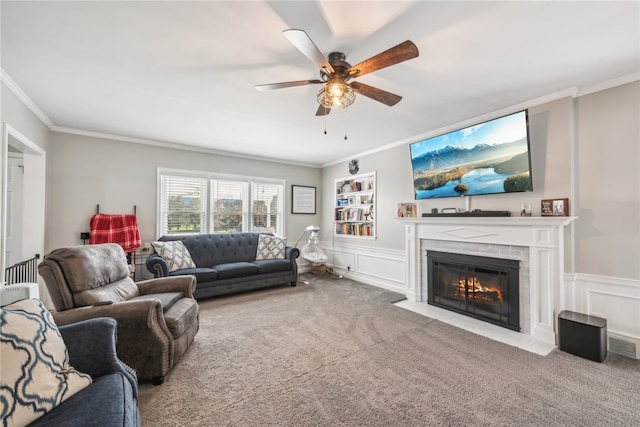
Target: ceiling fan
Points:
(336, 73)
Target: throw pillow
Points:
(270, 247)
(175, 253)
(36, 376)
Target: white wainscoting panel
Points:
(382, 268)
(615, 299)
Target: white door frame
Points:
(33, 153)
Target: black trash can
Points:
(582, 335)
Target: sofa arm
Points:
(157, 265)
(292, 253)
(91, 345)
(185, 284)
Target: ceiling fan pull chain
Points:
(346, 123)
(325, 125)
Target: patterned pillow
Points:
(175, 253)
(36, 376)
(270, 247)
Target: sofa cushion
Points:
(270, 247)
(36, 375)
(175, 254)
(208, 250)
(203, 275)
(272, 266)
(109, 402)
(235, 269)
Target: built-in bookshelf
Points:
(354, 206)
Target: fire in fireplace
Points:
(481, 287)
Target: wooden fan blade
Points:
(303, 42)
(402, 52)
(282, 85)
(322, 110)
(376, 94)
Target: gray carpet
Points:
(338, 353)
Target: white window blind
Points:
(229, 206)
(191, 202)
(183, 204)
(267, 204)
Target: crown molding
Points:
(572, 92)
(19, 93)
(175, 146)
(629, 78)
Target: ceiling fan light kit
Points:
(336, 94)
(335, 73)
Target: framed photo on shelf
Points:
(407, 210)
(554, 207)
(303, 199)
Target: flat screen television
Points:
(491, 157)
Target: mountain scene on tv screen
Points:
(483, 169)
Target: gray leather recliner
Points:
(157, 318)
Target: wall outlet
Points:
(146, 247)
(348, 268)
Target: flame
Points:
(478, 292)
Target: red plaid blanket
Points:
(120, 229)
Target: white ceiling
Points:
(184, 72)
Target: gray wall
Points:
(550, 156)
(586, 149)
(87, 171)
(16, 114)
(608, 182)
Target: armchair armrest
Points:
(185, 284)
(157, 265)
(128, 314)
(92, 349)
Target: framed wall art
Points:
(554, 207)
(303, 199)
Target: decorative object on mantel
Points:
(554, 207)
(525, 209)
(407, 210)
(353, 167)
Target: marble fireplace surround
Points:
(538, 242)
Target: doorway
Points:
(22, 202)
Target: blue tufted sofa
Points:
(226, 263)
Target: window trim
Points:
(219, 176)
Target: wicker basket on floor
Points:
(318, 269)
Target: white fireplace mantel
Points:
(544, 236)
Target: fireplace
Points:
(484, 288)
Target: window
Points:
(192, 203)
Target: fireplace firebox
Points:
(485, 288)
